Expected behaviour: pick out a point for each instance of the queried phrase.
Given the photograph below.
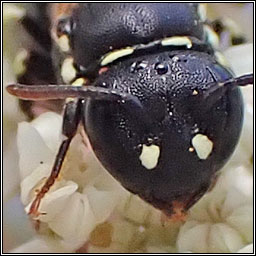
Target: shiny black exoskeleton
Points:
(101, 28)
(175, 117)
(161, 113)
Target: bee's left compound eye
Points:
(64, 26)
(64, 29)
(161, 68)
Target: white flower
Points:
(222, 221)
(84, 196)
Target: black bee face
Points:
(187, 139)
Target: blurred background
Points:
(17, 229)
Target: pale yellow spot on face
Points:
(177, 41)
(79, 82)
(202, 12)
(112, 56)
(63, 43)
(202, 145)
(149, 156)
(68, 72)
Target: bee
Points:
(162, 111)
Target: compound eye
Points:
(161, 68)
(64, 26)
(64, 30)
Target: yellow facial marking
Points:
(79, 82)
(149, 156)
(177, 41)
(202, 145)
(112, 56)
(63, 43)
(68, 72)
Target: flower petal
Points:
(40, 246)
(76, 220)
(35, 179)
(240, 58)
(242, 220)
(135, 209)
(32, 149)
(247, 249)
(193, 237)
(54, 202)
(208, 238)
(223, 239)
(102, 202)
(49, 126)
